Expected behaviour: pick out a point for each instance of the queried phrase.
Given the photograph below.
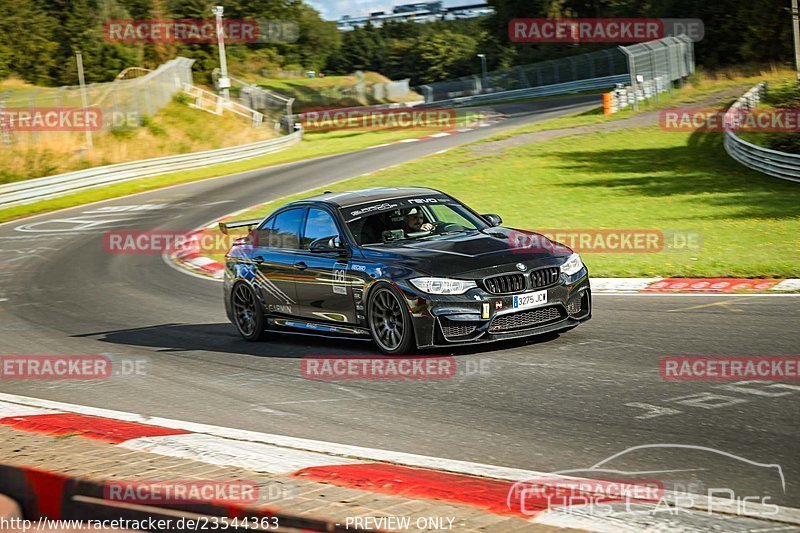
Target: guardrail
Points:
(532, 92)
(771, 162)
(213, 103)
(28, 191)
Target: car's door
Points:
(324, 284)
(276, 244)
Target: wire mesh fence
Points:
(280, 108)
(31, 116)
(670, 58)
(654, 64)
(274, 107)
(599, 64)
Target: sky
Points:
(334, 9)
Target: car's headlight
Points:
(443, 285)
(572, 265)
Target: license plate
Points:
(530, 299)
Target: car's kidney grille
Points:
(525, 319)
(504, 284)
(544, 277)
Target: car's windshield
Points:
(392, 221)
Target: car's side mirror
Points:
(493, 220)
(327, 245)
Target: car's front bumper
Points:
(478, 316)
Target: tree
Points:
(362, 49)
(444, 55)
(317, 40)
(28, 48)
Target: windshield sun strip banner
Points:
(354, 212)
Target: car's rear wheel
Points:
(389, 321)
(248, 315)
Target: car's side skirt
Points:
(310, 327)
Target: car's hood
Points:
(473, 254)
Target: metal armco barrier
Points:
(56, 496)
(28, 191)
(771, 162)
(532, 92)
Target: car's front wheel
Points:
(389, 321)
(248, 315)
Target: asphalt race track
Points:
(551, 404)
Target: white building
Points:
(418, 12)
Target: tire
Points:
(389, 321)
(248, 314)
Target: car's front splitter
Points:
(482, 317)
(562, 325)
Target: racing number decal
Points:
(339, 278)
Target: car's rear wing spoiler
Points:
(249, 224)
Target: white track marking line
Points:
(186, 271)
(331, 448)
(202, 261)
(222, 451)
(625, 284)
(14, 409)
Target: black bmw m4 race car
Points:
(410, 267)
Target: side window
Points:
(319, 224)
(286, 229)
(261, 236)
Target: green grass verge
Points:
(314, 144)
(642, 178)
